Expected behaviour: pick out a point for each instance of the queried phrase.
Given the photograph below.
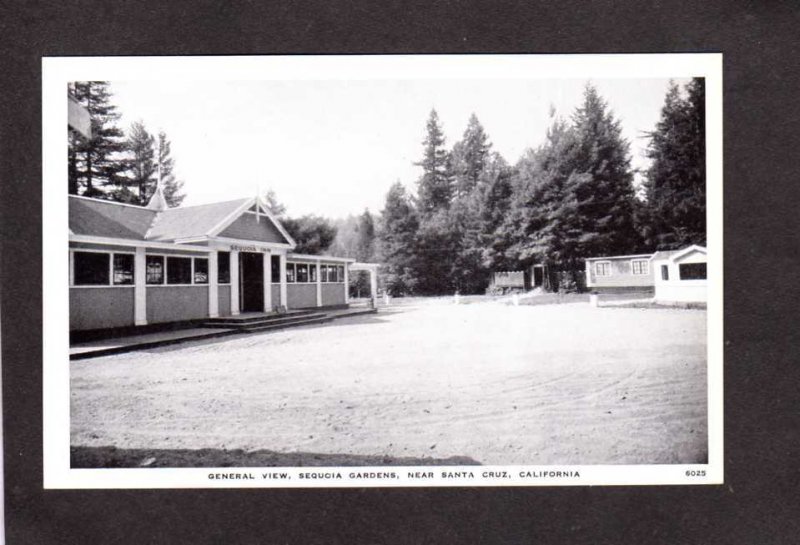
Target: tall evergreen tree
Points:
(604, 192)
(94, 164)
(434, 188)
(676, 180)
(142, 162)
(172, 187)
(365, 248)
(396, 239)
(313, 234)
(470, 157)
(494, 194)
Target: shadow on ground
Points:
(111, 457)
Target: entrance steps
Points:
(251, 322)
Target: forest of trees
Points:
(116, 165)
(472, 212)
(572, 198)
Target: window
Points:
(640, 266)
(302, 272)
(179, 270)
(223, 267)
(290, 272)
(123, 269)
(692, 271)
(275, 263)
(155, 269)
(340, 273)
(312, 273)
(91, 268)
(323, 273)
(664, 272)
(602, 268)
(200, 270)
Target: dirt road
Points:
(560, 384)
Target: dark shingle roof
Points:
(191, 221)
(108, 219)
(100, 218)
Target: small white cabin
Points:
(681, 276)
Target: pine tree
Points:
(396, 240)
(603, 185)
(95, 165)
(365, 244)
(275, 206)
(494, 194)
(142, 162)
(676, 180)
(470, 157)
(172, 187)
(434, 188)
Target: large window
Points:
(179, 270)
(692, 271)
(155, 269)
(302, 272)
(323, 271)
(664, 272)
(602, 268)
(224, 267)
(640, 266)
(123, 269)
(201, 270)
(312, 273)
(340, 273)
(91, 268)
(290, 273)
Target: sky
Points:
(334, 148)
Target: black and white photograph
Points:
(381, 271)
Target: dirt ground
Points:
(485, 383)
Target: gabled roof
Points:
(108, 219)
(192, 221)
(95, 217)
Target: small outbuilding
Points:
(681, 275)
(622, 273)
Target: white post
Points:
(268, 281)
(386, 298)
(140, 287)
(319, 284)
(234, 282)
(346, 284)
(373, 286)
(284, 301)
(213, 284)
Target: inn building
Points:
(141, 265)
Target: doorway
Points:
(251, 281)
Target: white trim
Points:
(213, 291)
(610, 270)
(284, 302)
(140, 286)
(267, 281)
(230, 218)
(105, 201)
(246, 242)
(235, 281)
(646, 266)
(315, 258)
(317, 267)
(611, 257)
(88, 239)
(688, 250)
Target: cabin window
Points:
(664, 272)
(275, 265)
(640, 266)
(340, 273)
(302, 272)
(312, 273)
(179, 270)
(290, 273)
(91, 268)
(602, 268)
(224, 267)
(331, 273)
(323, 271)
(154, 269)
(123, 269)
(201, 270)
(692, 271)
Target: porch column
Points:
(284, 301)
(234, 282)
(319, 283)
(140, 287)
(373, 286)
(213, 285)
(268, 281)
(346, 283)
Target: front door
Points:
(251, 281)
